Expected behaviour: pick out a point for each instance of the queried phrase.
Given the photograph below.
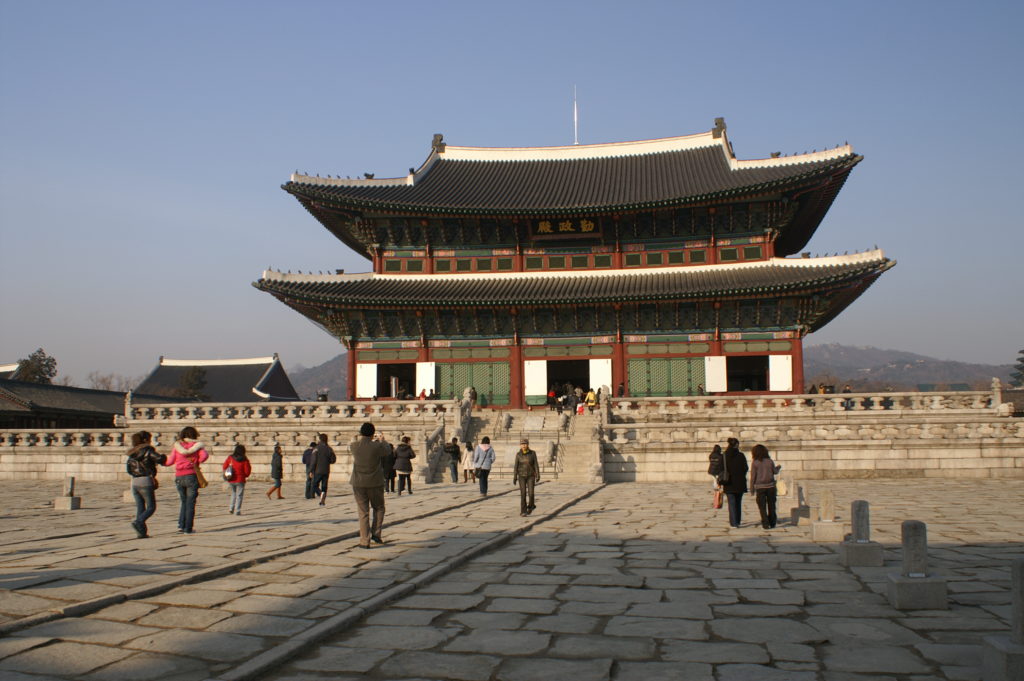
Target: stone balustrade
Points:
(886, 404)
(143, 415)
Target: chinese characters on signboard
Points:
(566, 228)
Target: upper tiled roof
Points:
(773, 277)
(23, 396)
(227, 380)
(574, 179)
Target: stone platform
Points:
(617, 582)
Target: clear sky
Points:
(143, 145)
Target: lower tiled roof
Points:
(772, 277)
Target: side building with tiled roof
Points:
(658, 267)
(254, 379)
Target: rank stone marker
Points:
(1003, 656)
(826, 529)
(67, 501)
(859, 550)
(915, 589)
(801, 510)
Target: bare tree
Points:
(115, 382)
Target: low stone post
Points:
(859, 550)
(67, 501)
(914, 588)
(1003, 656)
(826, 529)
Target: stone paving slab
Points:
(633, 581)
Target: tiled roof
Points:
(9, 370)
(774, 277)
(568, 180)
(23, 396)
(238, 380)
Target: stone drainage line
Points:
(200, 575)
(298, 643)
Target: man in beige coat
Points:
(368, 484)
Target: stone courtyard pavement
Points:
(622, 582)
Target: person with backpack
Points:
(141, 465)
(236, 469)
(186, 455)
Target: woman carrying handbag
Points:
(186, 455)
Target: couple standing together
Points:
(730, 470)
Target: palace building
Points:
(666, 266)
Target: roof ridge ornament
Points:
(719, 128)
(438, 144)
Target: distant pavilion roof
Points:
(227, 380)
(9, 370)
(578, 180)
(779, 276)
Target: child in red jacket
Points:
(236, 469)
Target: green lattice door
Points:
(664, 377)
(492, 381)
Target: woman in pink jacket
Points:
(186, 455)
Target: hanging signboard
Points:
(565, 228)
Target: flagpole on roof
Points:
(575, 118)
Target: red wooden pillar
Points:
(516, 398)
(350, 388)
(620, 373)
(798, 366)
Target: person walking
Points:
(467, 463)
(307, 461)
(453, 451)
(591, 400)
(403, 464)
(237, 469)
(186, 455)
(141, 465)
(736, 483)
(483, 459)
(388, 464)
(527, 475)
(276, 471)
(716, 466)
(367, 482)
(762, 480)
(323, 458)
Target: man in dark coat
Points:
(323, 457)
(736, 485)
(453, 451)
(527, 474)
(368, 484)
(307, 461)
